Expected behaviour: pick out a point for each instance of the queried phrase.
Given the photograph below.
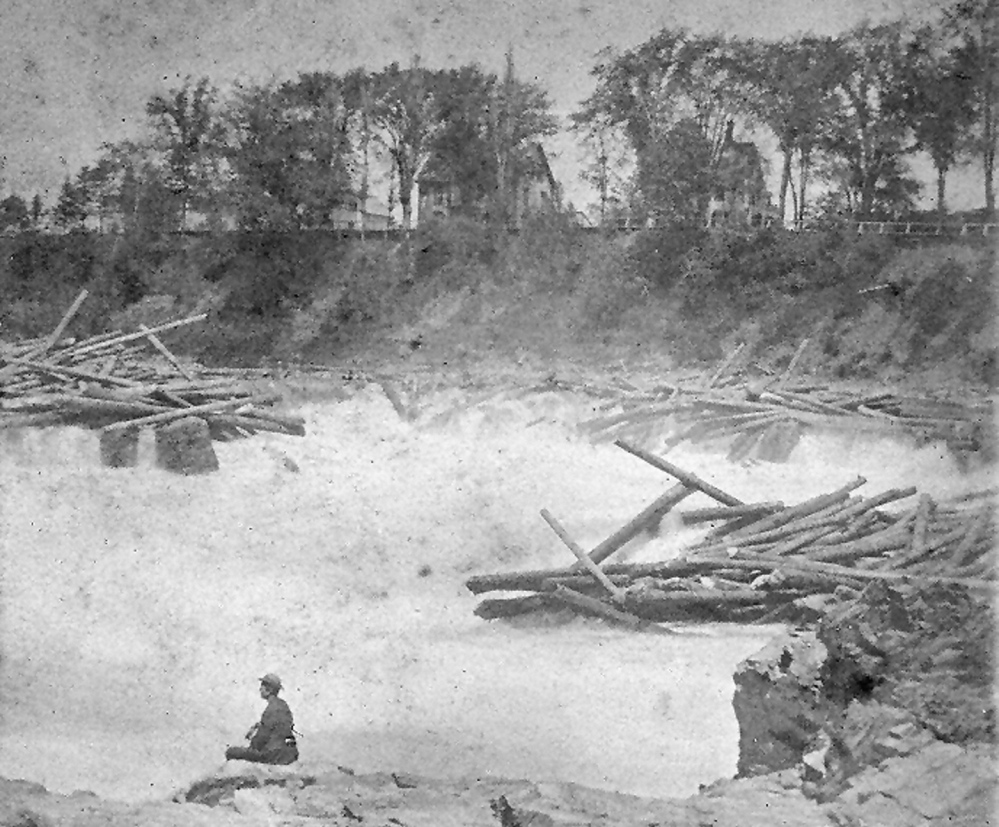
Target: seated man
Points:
(272, 739)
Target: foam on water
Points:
(139, 607)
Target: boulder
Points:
(940, 784)
(120, 448)
(778, 702)
(184, 446)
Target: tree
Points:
(520, 114)
(608, 163)
(14, 213)
(402, 112)
(657, 93)
(938, 99)
(188, 134)
(674, 175)
(869, 128)
(70, 211)
(788, 87)
(37, 211)
(484, 135)
(976, 24)
(290, 153)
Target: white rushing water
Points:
(139, 607)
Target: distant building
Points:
(534, 191)
(741, 197)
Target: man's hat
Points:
(272, 680)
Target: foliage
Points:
(869, 130)
(673, 98)
(937, 98)
(788, 86)
(70, 210)
(975, 23)
(188, 132)
(14, 213)
(290, 155)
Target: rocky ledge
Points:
(879, 713)
(883, 710)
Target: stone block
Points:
(185, 447)
(120, 449)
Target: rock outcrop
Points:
(884, 712)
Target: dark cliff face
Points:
(881, 677)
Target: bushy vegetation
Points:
(870, 309)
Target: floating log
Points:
(688, 479)
(811, 566)
(582, 556)
(650, 515)
(162, 348)
(730, 512)
(965, 550)
(804, 509)
(121, 338)
(592, 606)
(176, 413)
(504, 607)
(726, 364)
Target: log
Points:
(650, 515)
(729, 512)
(726, 364)
(794, 362)
(592, 606)
(130, 337)
(64, 371)
(685, 477)
(176, 413)
(496, 608)
(923, 510)
(813, 404)
(582, 556)
(50, 340)
(825, 518)
(802, 510)
(836, 571)
(804, 539)
(162, 348)
(534, 580)
(890, 539)
(965, 550)
(255, 423)
(33, 420)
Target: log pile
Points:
(766, 418)
(761, 562)
(124, 381)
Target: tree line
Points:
(847, 114)
(289, 155)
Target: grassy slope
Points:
(456, 292)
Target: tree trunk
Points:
(804, 164)
(989, 162)
(941, 188)
(785, 180)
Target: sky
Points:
(78, 72)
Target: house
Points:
(740, 197)
(534, 190)
(352, 213)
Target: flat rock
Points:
(941, 784)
